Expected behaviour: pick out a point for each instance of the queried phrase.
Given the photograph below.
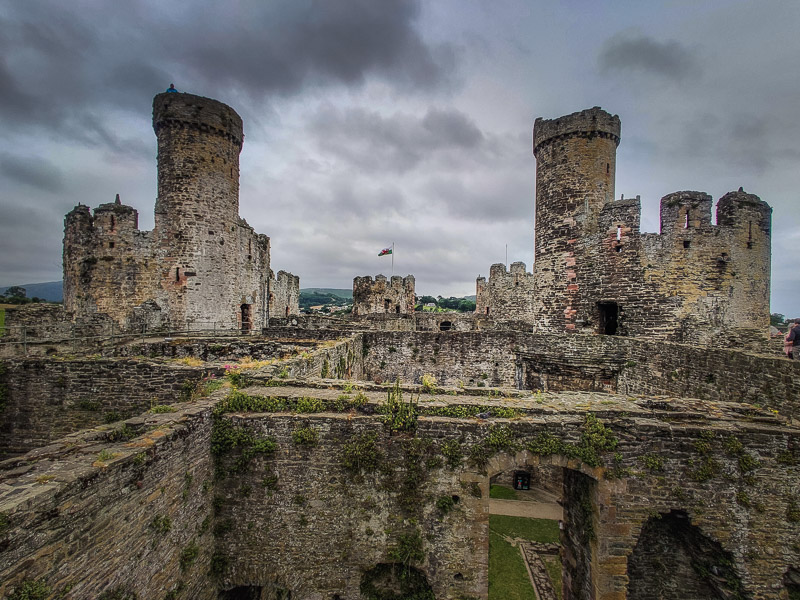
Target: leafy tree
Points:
(427, 300)
(776, 319)
(16, 291)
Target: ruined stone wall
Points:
(585, 362)
(110, 267)
(284, 298)
(202, 264)
(382, 296)
(113, 518)
(45, 399)
(313, 504)
(576, 164)
(695, 282)
(507, 295)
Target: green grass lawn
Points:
(553, 566)
(508, 577)
(533, 530)
(502, 492)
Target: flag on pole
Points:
(385, 251)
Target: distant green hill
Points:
(347, 294)
(52, 291)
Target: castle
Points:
(595, 272)
(281, 465)
(202, 266)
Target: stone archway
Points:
(674, 560)
(576, 495)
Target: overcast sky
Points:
(370, 122)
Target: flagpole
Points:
(392, 259)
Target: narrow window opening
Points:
(750, 245)
(608, 321)
(608, 168)
(387, 304)
(177, 274)
(287, 311)
(110, 244)
(686, 243)
(487, 310)
(686, 221)
(113, 223)
(619, 232)
(247, 322)
(618, 248)
(445, 326)
(397, 309)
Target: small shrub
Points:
(218, 564)
(112, 417)
(189, 555)
(161, 524)
(105, 455)
(451, 450)
(92, 405)
(445, 504)
(305, 436)
(652, 462)
(161, 408)
(31, 590)
(5, 524)
(429, 383)
(361, 454)
(408, 550)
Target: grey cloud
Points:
(370, 141)
(640, 53)
(32, 171)
(60, 63)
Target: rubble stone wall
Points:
(382, 296)
(44, 400)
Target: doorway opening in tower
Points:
(247, 318)
(608, 318)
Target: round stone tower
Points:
(575, 168)
(745, 221)
(197, 209)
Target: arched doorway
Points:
(674, 560)
(541, 526)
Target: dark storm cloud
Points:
(38, 173)
(668, 59)
(61, 63)
(370, 141)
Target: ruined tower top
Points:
(586, 123)
(196, 112)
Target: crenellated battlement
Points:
(593, 122)
(595, 271)
(202, 264)
(188, 111)
(383, 296)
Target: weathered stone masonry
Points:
(297, 520)
(382, 296)
(695, 282)
(202, 264)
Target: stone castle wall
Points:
(284, 297)
(382, 296)
(694, 282)
(296, 519)
(507, 293)
(44, 400)
(202, 264)
(118, 519)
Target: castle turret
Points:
(382, 296)
(575, 169)
(746, 222)
(197, 209)
(78, 257)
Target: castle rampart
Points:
(202, 266)
(382, 296)
(595, 271)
